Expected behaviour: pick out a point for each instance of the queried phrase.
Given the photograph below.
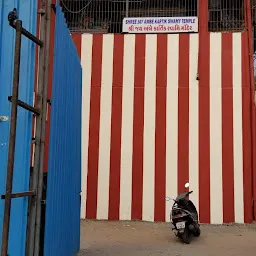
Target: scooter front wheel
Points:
(197, 233)
(197, 230)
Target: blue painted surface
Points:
(62, 230)
(27, 13)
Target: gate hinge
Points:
(4, 118)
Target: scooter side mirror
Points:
(167, 198)
(187, 185)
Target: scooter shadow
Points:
(175, 239)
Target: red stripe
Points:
(93, 148)
(204, 114)
(138, 127)
(254, 167)
(160, 134)
(77, 38)
(183, 112)
(49, 95)
(116, 123)
(247, 164)
(227, 129)
(204, 128)
(35, 82)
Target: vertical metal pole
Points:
(248, 22)
(43, 127)
(12, 140)
(35, 173)
(127, 9)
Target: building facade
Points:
(163, 109)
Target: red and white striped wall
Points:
(160, 111)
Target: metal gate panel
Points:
(27, 13)
(62, 229)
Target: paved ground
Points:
(156, 239)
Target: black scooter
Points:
(184, 217)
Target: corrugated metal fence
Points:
(62, 230)
(27, 12)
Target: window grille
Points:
(253, 8)
(226, 15)
(106, 16)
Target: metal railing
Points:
(106, 16)
(253, 8)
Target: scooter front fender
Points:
(180, 231)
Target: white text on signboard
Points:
(160, 25)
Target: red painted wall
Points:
(204, 74)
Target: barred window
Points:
(226, 15)
(106, 16)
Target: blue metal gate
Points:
(27, 13)
(62, 229)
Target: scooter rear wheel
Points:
(186, 236)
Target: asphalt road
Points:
(104, 238)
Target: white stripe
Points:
(172, 120)
(127, 128)
(86, 62)
(216, 130)
(149, 129)
(105, 127)
(193, 121)
(238, 128)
